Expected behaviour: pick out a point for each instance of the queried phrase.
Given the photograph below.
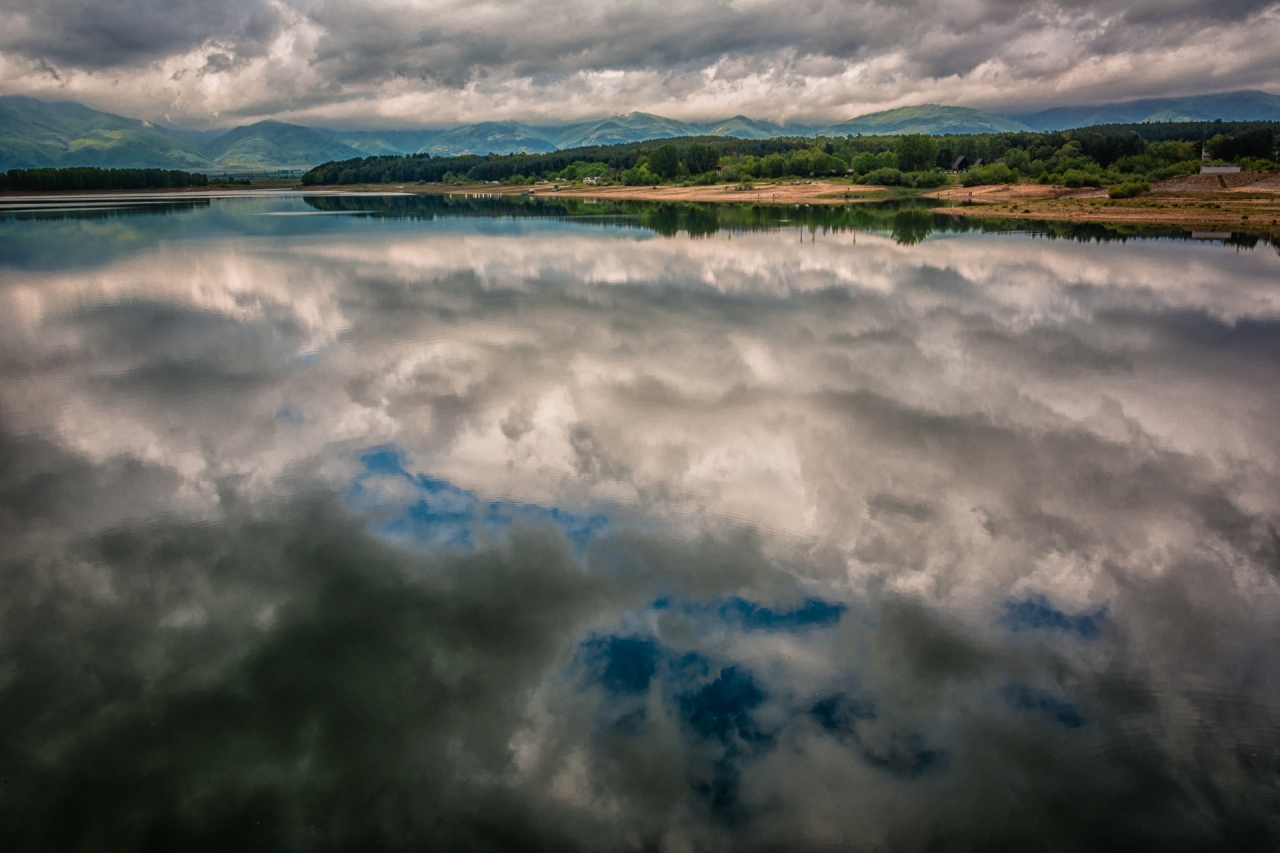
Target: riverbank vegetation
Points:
(80, 179)
(1098, 156)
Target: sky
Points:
(392, 63)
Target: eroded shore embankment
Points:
(1244, 201)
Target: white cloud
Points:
(433, 63)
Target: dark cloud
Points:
(525, 533)
(453, 45)
(352, 56)
(107, 34)
(337, 723)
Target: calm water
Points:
(343, 523)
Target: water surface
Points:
(356, 522)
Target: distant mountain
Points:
(35, 133)
(194, 139)
(380, 142)
(505, 137)
(926, 118)
(1245, 105)
(373, 145)
(745, 128)
(275, 145)
(632, 127)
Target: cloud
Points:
(432, 63)
(127, 34)
(530, 533)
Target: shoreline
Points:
(165, 194)
(1239, 208)
(812, 192)
(1245, 208)
(1254, 209)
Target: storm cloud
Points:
(416, 63)
(498, 534)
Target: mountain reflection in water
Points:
(479, 524)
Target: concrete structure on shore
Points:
(1209, 169)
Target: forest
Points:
(74, 179)
(1091, 156)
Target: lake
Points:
(386, 522)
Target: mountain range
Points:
(513, 136)
(1245, 105)
(36, 133)
(926, 118)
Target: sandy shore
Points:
(1247, 202)
(1002, 194)
(816, 192)
(1240, 202)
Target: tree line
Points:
(1100, 155)
(89, 178)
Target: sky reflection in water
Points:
(456, 525)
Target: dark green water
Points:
(378, 522)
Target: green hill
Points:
(507, 137)
(745, 128)
(374, 145)
(925, 118)
(35, 133)
(632, 127)
(1244, 105)
(380, 142)
(275, 145)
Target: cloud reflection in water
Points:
(488, 534)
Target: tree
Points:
(773, 166)
(701, 158)
(1258, 143)
(916, 152)
(665, 162)
(1016, 158)
(826, 164)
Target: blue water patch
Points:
(814, 612)
(383, 460)
(440, 513)
(722, 709)
(718, 714)
(1036, 613)
(721, 712)
(1029, 699)
(690, 666)
(839, 714)
(623, 664)
(905, 755)
(721, 790)
(290, 416)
